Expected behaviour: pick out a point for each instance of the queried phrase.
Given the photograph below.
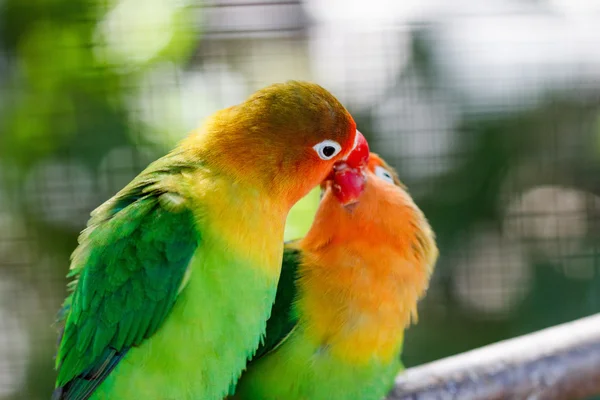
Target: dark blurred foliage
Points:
(515, 213)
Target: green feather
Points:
(126, 268)
(84, 336)
(123, 330)
(282, 321)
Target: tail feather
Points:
(82, 387)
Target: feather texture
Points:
(174, 277)
(346, 293)
(136, 251)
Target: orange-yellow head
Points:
(384, 234)
(283, 140)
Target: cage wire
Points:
(488, 112)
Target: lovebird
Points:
(174, 277)
(347, 292)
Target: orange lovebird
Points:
(347, 292)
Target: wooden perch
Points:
(562, 362)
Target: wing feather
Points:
(128, 271)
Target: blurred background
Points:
(489, 110)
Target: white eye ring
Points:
(327, 149)
(384, 174)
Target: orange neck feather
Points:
(364, 271)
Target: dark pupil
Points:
(328, 151)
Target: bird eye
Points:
(327, 149)
(384, 174)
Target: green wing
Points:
(282, 320)
(129, 268)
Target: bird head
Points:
(285, 139)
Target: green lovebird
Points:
(347, 291)
(174, 276)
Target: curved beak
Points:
(359, 155)
(348, 175)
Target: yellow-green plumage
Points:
(176, 274)
(289, 365)
(347, 291)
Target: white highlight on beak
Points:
(353, 146)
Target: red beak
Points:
(348, 175)
(359, 155)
